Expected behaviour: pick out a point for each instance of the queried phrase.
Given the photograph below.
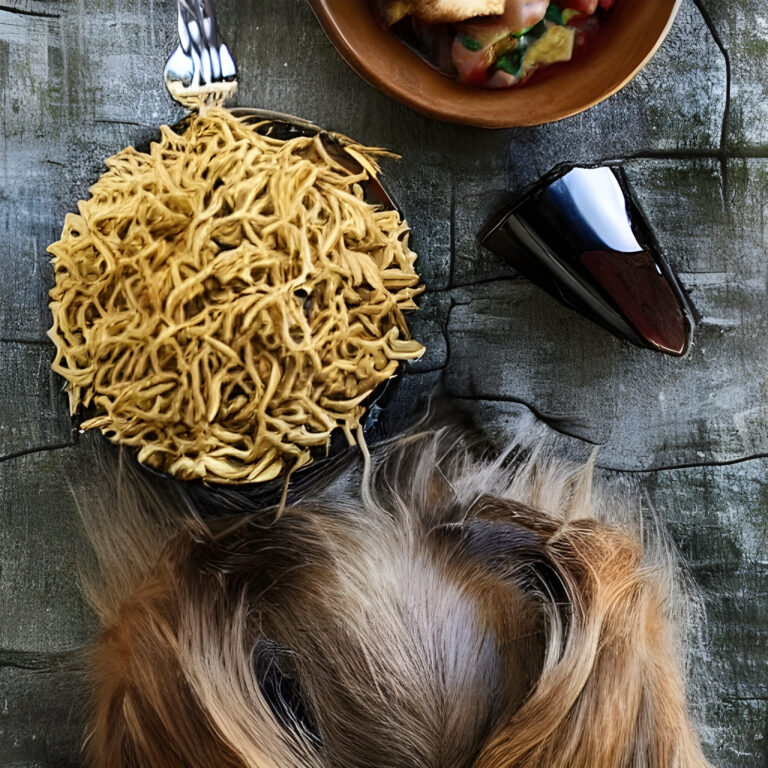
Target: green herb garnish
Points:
(538, 30)
(511, 62)
(554, 14)
(470, 43)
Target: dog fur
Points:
(436, 610)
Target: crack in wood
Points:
(116, 121)
(35, 14)
(37, 449)
(686, 465)
(36, 661)
(550, 421)
(723, 155)
(482, 281)
(446, 335)
(29, 342)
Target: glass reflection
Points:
(594, 202)
(579, 234)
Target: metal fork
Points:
(201, 71)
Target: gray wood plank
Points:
(742, 29)
(34, 411)
(428, 325)
(511, 341)
(41, 606)
(80, 80)
(717, 516)
(28, 216)
(42, 715)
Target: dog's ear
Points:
(171, 673)
(173, 678)
(128, 517)
(610, 692)
(144, 712)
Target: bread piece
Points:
(439, 11)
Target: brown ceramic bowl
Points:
(628, 39)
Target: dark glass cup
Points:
(580, 235)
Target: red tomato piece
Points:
(582, 6)
(518, 16)
(471, 66)
(501, 79)
(488, 33)
(587, 28)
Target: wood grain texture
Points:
(743, 32)
(510, 342)
(34, 410)
(40, 553)
(41, 720)
(80, 80)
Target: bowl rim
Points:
(381, 404)
(496, 119)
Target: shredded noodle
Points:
(226, 301)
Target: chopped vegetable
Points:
(496, 52)
(470, 43)
(554, 14)
(538, 30)
(556, 44)
(512, 62)
(587, 7)
(504, 50)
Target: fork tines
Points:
(201, 70)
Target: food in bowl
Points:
(493, 43)
(227, 300)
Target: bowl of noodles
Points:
(228, 301)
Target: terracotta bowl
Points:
(629, 38)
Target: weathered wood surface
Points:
(78, 81)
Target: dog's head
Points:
(446, 612)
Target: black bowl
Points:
(380, 421)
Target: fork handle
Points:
(200, 40)
(201, 13)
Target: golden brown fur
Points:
(444, 612)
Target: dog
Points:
(434, 608)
